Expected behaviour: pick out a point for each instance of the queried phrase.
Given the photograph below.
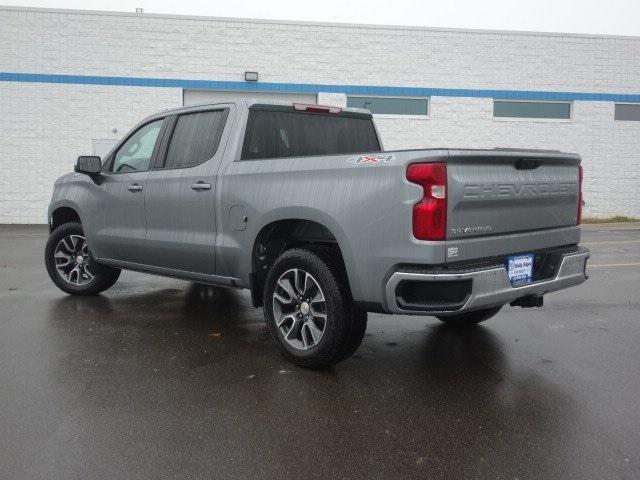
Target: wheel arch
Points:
(279, 234)
(61, 215)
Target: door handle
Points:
(134, 187)
(201, 186)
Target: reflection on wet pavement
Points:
(162, 378)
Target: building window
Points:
(628, 111)
(391, 105)
(531, 109)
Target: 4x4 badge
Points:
(376, 158)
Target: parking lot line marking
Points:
(612, 241)
(615, 265)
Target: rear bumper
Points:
(473, 289)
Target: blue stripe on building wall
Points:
(314, 88)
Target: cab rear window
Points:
(283, 132)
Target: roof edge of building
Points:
(318, 24)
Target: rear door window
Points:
(288, 133)
(195, 138)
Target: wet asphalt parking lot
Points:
(159, 378)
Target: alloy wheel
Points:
(71, 257)
(300, 309)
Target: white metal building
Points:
(72, 82)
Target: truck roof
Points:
(248, 102)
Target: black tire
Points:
(345, 324)
(103, 276)
(356, 335)
(470, 318)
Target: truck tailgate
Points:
(501, 192)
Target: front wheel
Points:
(71, 266)
(470, 318)
(309, 310)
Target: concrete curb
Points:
(611, 226)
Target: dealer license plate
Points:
(520, 268)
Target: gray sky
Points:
(616, 17)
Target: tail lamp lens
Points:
(580, 197)
(430, 213)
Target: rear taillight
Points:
(430, 213)
(580, 197)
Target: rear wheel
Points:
(71, 266)
(309, 310)
(470, 318)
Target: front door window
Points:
(136, 152)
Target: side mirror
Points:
(89, 165)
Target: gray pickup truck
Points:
(301, 205)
